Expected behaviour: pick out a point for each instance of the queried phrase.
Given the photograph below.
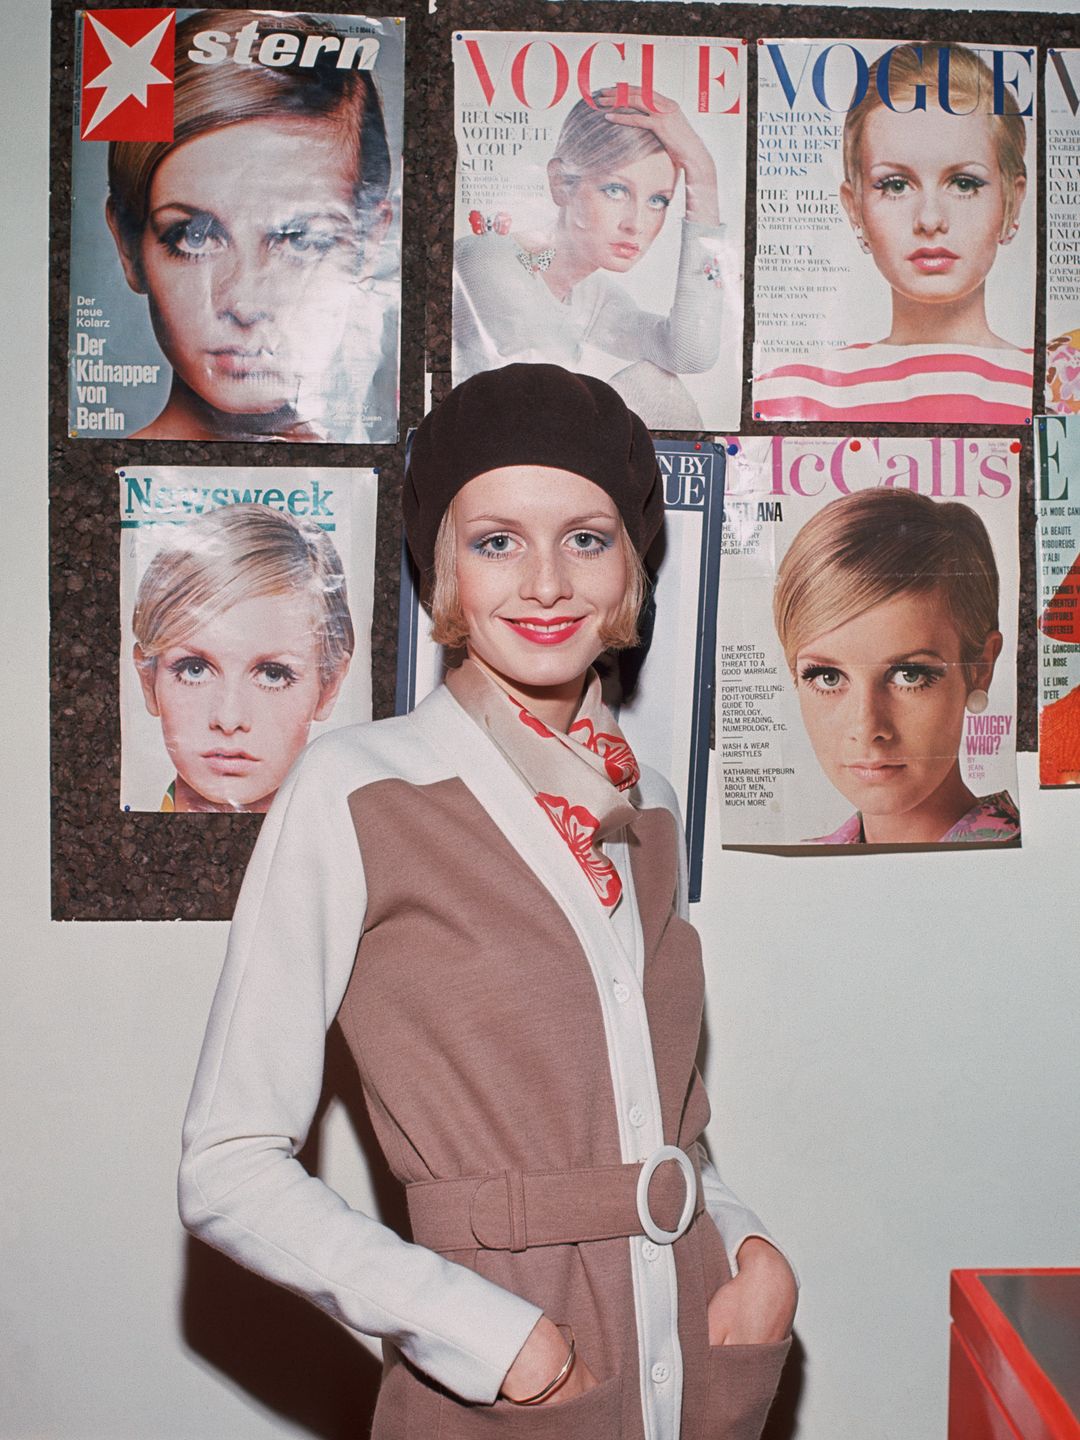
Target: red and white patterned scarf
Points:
(579, 779)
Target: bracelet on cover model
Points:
(560, 1378)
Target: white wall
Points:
(893, 1061)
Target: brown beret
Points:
(530, 415)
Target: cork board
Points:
(107, 865)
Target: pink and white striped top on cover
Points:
(954, 384)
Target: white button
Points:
(622, 992)
(636, 1115)
(661, 1372)
(649, 1250)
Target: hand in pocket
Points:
(757, 1307)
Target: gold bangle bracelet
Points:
(560, 1378)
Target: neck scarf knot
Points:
(579, 779)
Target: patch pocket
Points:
(596, 1415)
(742, 1383)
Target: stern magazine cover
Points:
(1063, 232)
(245, 627)
(867, 658)
(599, 214)
(895, 266)
(235, 226)
(662, 692)
(1058, 542)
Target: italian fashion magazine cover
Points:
(599, 214)
(895, 265)
(1063, 232)
(1058, 541)
(245, 626)
(867, 656)
(235, 226)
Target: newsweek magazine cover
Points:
(599, 214)
(245, 626)
(662, 692)
(867, 654)
(895, 266)
(1063, 231)
(235, 226)
(1057, 507)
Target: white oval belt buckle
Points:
(648, 1170)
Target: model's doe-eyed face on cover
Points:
(931, 200)
(250, 255)
(236, 699)
(540, 573)
(613, 216)
(882, 698)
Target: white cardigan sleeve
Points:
(291, 950)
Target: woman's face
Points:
(540, 574)
(236, 699)
(882, 698)
(613, 216)
(250, 256)
(931, 200)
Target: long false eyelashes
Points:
(910, 678)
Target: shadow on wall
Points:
(279, 1349)
(783, 1422)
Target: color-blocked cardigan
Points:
(406, 882)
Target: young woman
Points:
(545, 297)
(252, 234)
(490, 898)
(932, 196)
(243, 638)
(886, 606)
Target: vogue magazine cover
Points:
(867, 655)
(895, 266)
(599, 214)
(235, 226)
(1058, 543)
(662, 692)
(1063, 232)
(245, 627)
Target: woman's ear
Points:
(130, 262)
(982, 671)
(851, 205)
(146, 669)
(329, 692)
(1012, 224)
(558, 182)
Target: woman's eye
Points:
(191, 670)
(822, 678)
(304, 243)
(494, 545)
(659, 202)
(967, 184)
(194, 238)
(615, 191)
(273, 675)
(892, 185)
(915, 677)
(587, 542)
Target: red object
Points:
(128, 59)
(1001, 1383)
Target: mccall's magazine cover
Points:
(1058, 543)
(1063, 231)
(245, 626)
(896, 224)
(661, 692)
(599, 214)
(235, 226)
(867, 655)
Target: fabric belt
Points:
(516, 1210)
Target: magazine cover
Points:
(662, 692)
(895, 268)
(1063, 231)
(1057, 507)
(245, 626)
(599, 214)
(867, 657)
(235, 226)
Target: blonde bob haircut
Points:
(875, 545)
(242, 552)
(971, 88)
(448, 625)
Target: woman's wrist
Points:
(539, 1361)
(559, 1379)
